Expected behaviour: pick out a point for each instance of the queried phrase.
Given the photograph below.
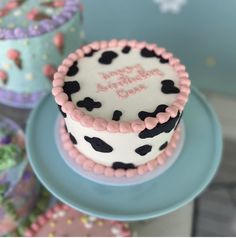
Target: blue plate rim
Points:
(134, 217)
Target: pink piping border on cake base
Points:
(91, 166)
(101, 124)
(43, 219)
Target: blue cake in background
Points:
(34, 38)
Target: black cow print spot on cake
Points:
(163, 146)
(148, 53)
(151, 53)
(89, 104)
(73, 70)
(177, 124)
(62, 113)
(98, 144)
(168, 87)
(143, 150)
(126, 49)
(66, 128)
(70, 88)
(160, 128)
(120, 165)
(143, 114)
(107, 57)
(116, 115)
(72, 138)
(91, 53)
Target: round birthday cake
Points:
(35, 36)
(61, 221)
(122, 102)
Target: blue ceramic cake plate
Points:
(180, 184)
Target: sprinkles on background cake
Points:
(62, 220)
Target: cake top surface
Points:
(27, 18)
(65, 221)
(122, 81)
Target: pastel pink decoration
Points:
(63, 69)
(3, 76)
(55, 3)
(152, 165)
(94, 45)
(163, 117)
(185, 81)
(3, 12)
(59, 3)
(150, 122)
(125, 127)
(61, 98)
(113, 43)
(131, 173)
(167, 55)
(59, 42)
(56, 91)
(172, 110)
(12, 5)
(174, 61)
(138, 125)
(67, 62)
(36, 15)
(80, 159)
(88, 165)
(99, 124)
(87, 121)
(35, 227)
(142, 169)
(41, 220)
(109, 172)
(68, 145)
(49, 71)
(113, 126)
(141, 45)
(15, 56)
(77, 115)
(28, 233)
(80, 54)
(122, 43)
(103, 44)
(69, 107)
(119, 172)
(49, 214)
(73, 153)
(73, 56)
(98, 169)
(86, 49)
(132, 43)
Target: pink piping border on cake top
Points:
(43, 219)
(101, 124)
(91, 166)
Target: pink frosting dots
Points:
(101, 124)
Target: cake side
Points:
(121, 100)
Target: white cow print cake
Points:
(122, 102)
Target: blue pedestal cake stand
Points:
(181, 183)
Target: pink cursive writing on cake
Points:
(127, 81)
